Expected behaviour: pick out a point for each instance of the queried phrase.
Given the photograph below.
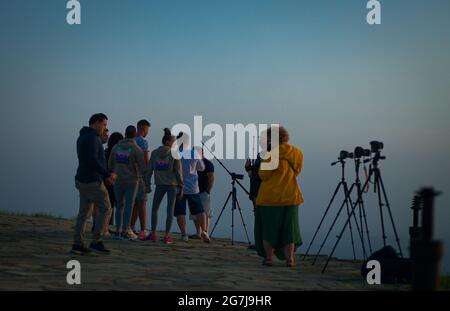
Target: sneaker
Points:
(80, 249)
(99, 247)
(118, 237)
(152, 237)
(205, 237)
(184, 238)
(142, 235)
(168, 240)
(106, 234)
(130, 235)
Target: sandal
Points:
(267, 262)
(290, 263)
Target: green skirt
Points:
(279, 226)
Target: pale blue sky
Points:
(314, 66)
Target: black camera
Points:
(361, 152)
(376, 146)
(237, 176)
(345, 155)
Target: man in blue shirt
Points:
(89, 181)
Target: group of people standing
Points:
(121, 175)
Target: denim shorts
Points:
(195, 205)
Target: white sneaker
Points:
(130, 235)
(205, 237)
(184, 238)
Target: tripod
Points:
(379, 187)
(347, 202)
(234, 201)
(234, 205)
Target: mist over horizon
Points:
(332, 81)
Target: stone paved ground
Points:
(34, 252)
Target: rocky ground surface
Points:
(34, 252)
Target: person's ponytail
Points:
(167, 136)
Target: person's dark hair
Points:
(114, 139)
(167, 136)
(130, 131)
(97, 117)
(142, 123)
(185, 138)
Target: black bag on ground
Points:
(393, 268)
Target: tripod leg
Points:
(360, 231)
(332, 225)
(360, 219)
(243, 222)
(380, 204)
(233, 207)
(390, 215)
(360, 228)
(323, 218)
(221, 212)
(232, 226)
(350, 225)
(345, 225)
(365, 223)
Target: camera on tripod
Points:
(353, 207)
(235, 176)
(361, 152)
(345, 155)
(376, 146)
(234, 200)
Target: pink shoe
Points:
(168, 240)
(152, 237)
(142, 235)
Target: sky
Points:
(315, 67)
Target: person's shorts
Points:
(141, 195)
(205, 197)
(195, 205)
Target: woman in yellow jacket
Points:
(276, 214)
